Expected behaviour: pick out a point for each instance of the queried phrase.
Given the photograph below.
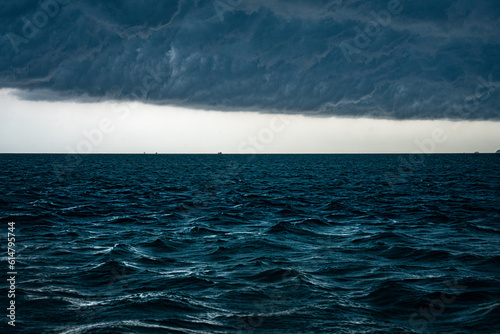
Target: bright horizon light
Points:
(133, 127)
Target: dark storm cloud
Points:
(393, 59)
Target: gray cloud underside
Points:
(433, 59)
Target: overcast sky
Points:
(249, 76)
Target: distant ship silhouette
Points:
(497, 152)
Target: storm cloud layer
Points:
(397, 59)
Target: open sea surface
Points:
(253, 243)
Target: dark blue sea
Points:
(252, 243)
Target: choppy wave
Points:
(273, 244)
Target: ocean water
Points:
(253, 243)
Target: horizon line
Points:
(236, 153)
